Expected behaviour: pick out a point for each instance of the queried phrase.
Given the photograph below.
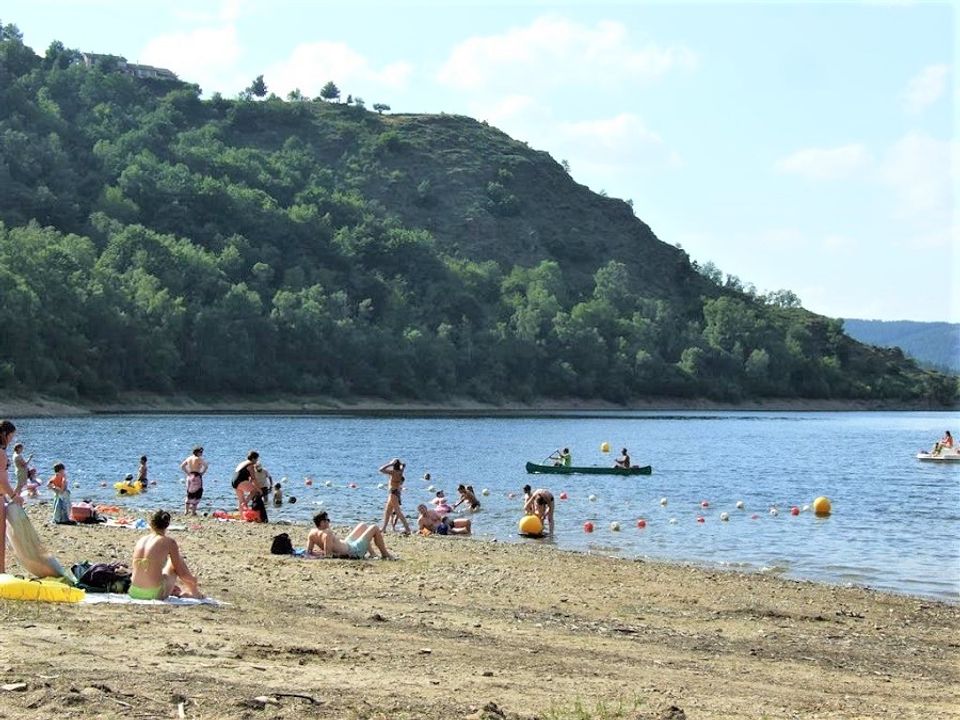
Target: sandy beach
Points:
(464, 628)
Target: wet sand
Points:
(464, 628)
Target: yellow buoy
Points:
(821, 506)
(531, 525)
(604, 447)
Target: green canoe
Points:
(561, 470)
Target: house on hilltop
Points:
(121, 65)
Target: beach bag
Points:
(103, 577)
(281, 545)
(83, 512)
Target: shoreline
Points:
(139, 404)
(478, 630)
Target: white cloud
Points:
(839, 244)
(826, 163)
(554, 51)
(622, 140)
(311, 65)
(600, 150)
(202, 56)
(925, 88)
(921, 172)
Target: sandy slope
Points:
(458, 624)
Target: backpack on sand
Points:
(102, 577)
(281, 545)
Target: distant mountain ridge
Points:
(933, 344)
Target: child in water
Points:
(142, 472)
(277, 495)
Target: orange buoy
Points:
(822, 506)
(563, 496)
(641, 523)
(794, 511)
(588, 527)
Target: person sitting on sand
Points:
(540, 503)
(322, 542)
(394, 469)
(193, 466)
(623, 461)
(467, 496)
(431, 520)
(157, 565)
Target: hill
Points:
(154, 241)
(933, 344)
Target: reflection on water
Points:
(894, 524)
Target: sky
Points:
(802, 146)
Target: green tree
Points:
(258, 88)
(330, 91)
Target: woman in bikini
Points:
(394, 469)
(157, 565)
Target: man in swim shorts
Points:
(322, 542)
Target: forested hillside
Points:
(155, 241)
(933, 344)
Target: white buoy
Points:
(673, 521)
(724, 516)
(329, 483)
(592, 498)
(615, 526)
(739, 504)
(663, 502)
(774, 511)
(805, 508)
(430, 488)
(485, 491)
(379, 486)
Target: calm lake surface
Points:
(894, 524)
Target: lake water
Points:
(894, 524)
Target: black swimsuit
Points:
(243, 475)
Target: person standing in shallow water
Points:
(193, 467)
(394, 469)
